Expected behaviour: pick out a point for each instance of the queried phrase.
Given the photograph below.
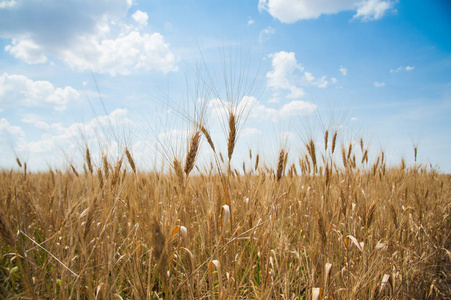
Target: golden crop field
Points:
(331, 226)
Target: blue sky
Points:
(110, 74)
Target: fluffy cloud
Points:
(264, 34)
(290, 11)
(61, 136)
(282, 77)
(373, 9)
(7, 3)
(140, 17)
(257, 111)
(20, 90)
(61, 144)
(12, 136)
(249, 132)
(173, 136)
(288, 75)
(296, 108)
(379, 84)
(134, 51)
(26, 50)
(7, 128)
(87, 35)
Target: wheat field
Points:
(316, 225)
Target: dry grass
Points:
(361, 231)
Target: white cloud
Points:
(264, 34)
(373, 9)
(60, 144)
(407, 68)
(290, 11)
(173, 136)
(26, 50)
(379, 84)
(87, 35)
(36, 121)
(20, 90)
(343, 71)
(282, 77)
(287, 74)
(250, 21)
(140, 17)
(7, 3)
(123, 55)
(297, 108)
(308, 76)
(260, 112)
(57, 144)
(322, 83)
(333, 80)
(249, 132)
(14, 131)
(11, 136)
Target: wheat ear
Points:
(232, 135)
(88, 160)
(280, 165)
(130, 160)
(334, 140)
(208, 137)
(191, 155)
(326, 139)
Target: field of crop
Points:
(334, 225)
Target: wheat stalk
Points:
(100, 177)
(208, 137)
(88, 160)
(116, 172)
(321, 228)
(192, 153)
(280, 164)
(178, 171)
(365, 156)
(232, 135)
(349, 150)
(106, 166)
(74, 170)
(326, 139)
(6, 232)
(312, 153)
(370, 214)
(334, 140)
(18, 162)
(130, 160)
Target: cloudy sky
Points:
(116, 73)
